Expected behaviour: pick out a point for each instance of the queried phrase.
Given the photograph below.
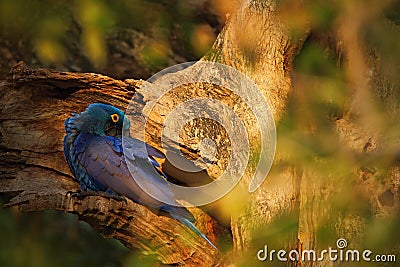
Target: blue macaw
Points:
(93, 150)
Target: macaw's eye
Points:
(115, 117)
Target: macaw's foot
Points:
(77, 194)
(82, 194)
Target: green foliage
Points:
(53, 28)
(53, 239)
(328, 88)
(50, 238)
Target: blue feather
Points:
(191, 226)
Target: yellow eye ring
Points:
(115, 118)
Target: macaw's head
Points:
(101, 119)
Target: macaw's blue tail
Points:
(184, 216)
(195, 230)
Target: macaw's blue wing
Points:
(104, 162)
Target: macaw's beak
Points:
(112, 130)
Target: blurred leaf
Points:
(95, 21)
(202, 39)
(53, 238)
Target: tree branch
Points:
(35, 103)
